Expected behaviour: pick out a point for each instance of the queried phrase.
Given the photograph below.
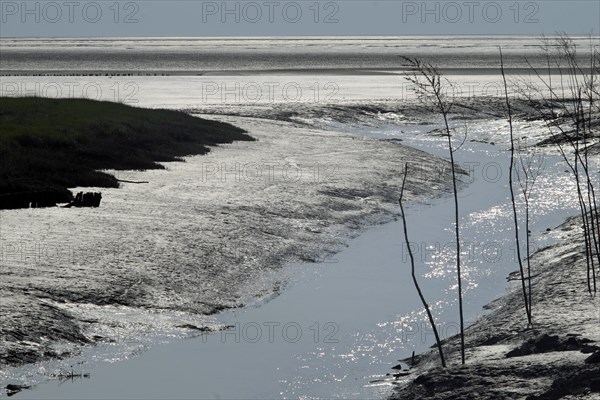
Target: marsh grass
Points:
(49, 145)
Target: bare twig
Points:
(431, 89)
(512, 191)
(414, 277)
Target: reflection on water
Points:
(487, 251)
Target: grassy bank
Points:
(49, 145)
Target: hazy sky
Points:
(71, 18)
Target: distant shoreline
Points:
(291, 38)
(462, 55)
(259, 72)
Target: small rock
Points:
(546, 343)
(594, 358)
(194, 327)
(423, 380)
(14, 389)
(587, 349)
(514, 353)
(542, 344)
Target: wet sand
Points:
(199, 238)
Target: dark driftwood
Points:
(90, 199)
(123, 180)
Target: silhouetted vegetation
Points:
(428, 83)
(414, 276)
(511, 172)
(570, 108)
(531, 164)
(49, 145)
